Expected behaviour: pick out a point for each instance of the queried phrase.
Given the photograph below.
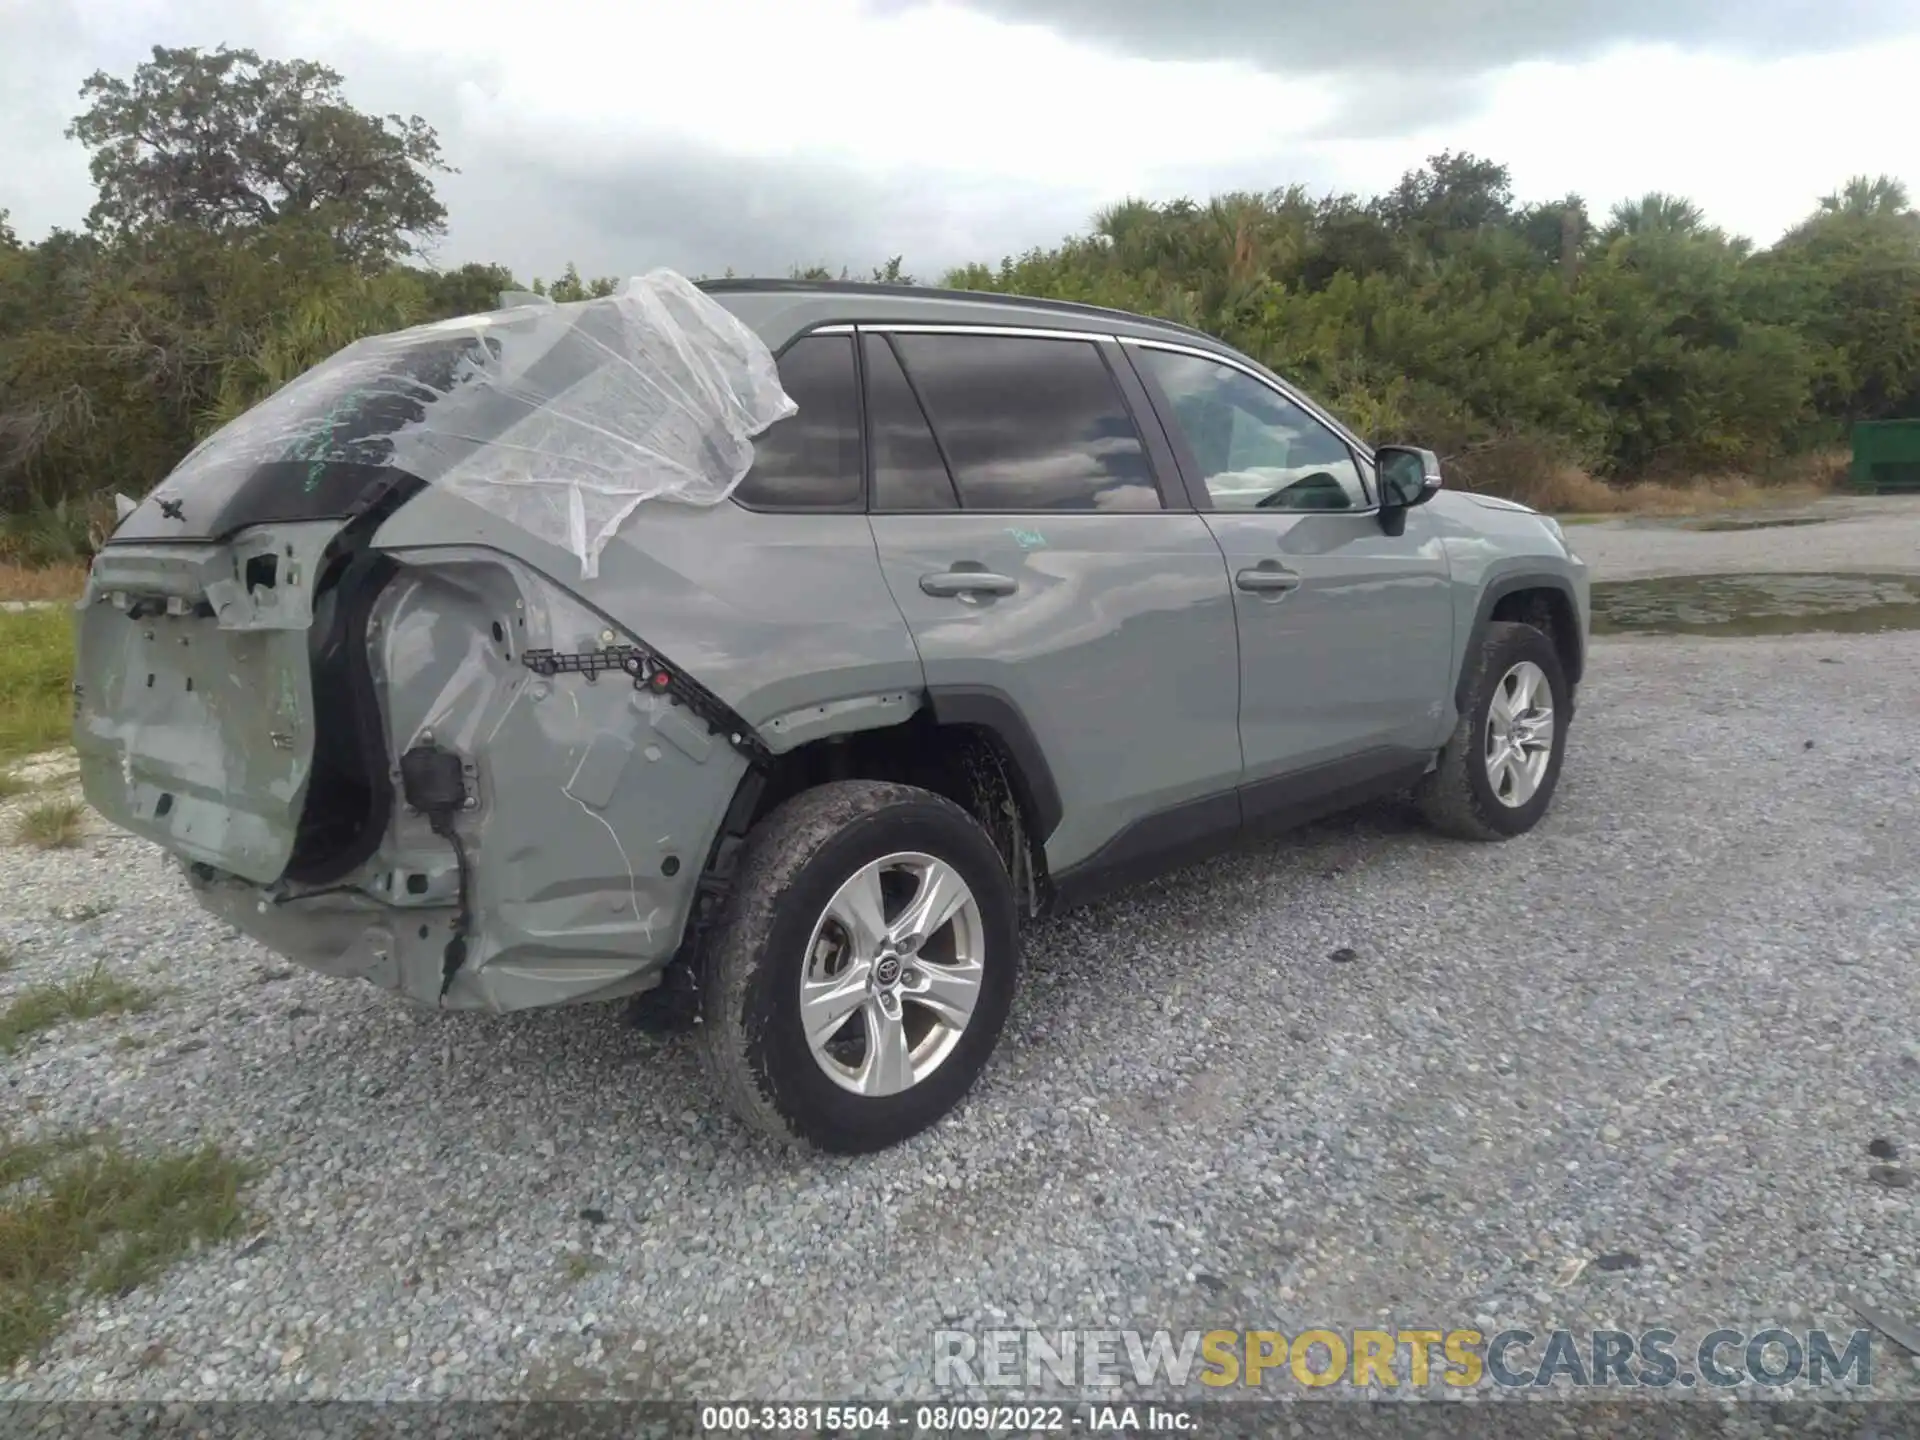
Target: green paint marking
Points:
(1027, 539)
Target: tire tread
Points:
(1447, 797)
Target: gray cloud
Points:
(700, 211)
(534, 202)
(1466, 36)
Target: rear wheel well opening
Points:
(1549, 610)
(968, 764)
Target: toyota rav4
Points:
(770, 651)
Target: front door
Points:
(1346, 632)
(1024, 536)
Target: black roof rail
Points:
(748, 285)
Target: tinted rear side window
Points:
(908, 471)
(1030, 424)
(811, 460)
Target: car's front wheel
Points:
(1498, 771)
(864, 968)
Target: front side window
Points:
(1030, 424)
(1256, 449)
(811, 459)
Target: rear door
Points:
(1346, 632)
(1024, 528)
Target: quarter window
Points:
(1256, 449)
(1030, 424)
(811, 459)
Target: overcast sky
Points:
(757, 134)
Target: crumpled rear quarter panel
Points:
(595, 802)
(585, 795)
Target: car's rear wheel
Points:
(863, 970)
(1498, 771)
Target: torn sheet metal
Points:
(559, 418)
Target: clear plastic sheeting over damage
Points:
(561, 418)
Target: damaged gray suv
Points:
(770, 651)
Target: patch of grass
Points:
(41, 1007)
(580, 1265)
(1575, 495)
(63, 581)
(129, 1042)
(36, 681)
(6, 958)
(86, 1212)
(82, 911)
(52, 825)
(12, 785)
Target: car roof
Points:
(778, 310)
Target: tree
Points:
(1556, 232)
(571, 287)
(1863, 197)
(227, 142)
(1656, 212)
(1849, 277)
(471, 290)
(1450, 194)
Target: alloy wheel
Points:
(892, 975)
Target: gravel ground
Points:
(1668, 1023)
(1663, 1030)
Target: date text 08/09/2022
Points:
(1026, 1419)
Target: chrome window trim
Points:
(1286, 392)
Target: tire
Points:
(816, 852)
(1463, 795)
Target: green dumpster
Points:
(1886, 456)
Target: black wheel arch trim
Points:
(992, 709)
(1498, 590)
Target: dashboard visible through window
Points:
(1256, 449)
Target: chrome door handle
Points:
(1266, 581)
(968, 582)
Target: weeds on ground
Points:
(62, 581)
(85, 1211)
(6, 958)
(52, 825)
(81, 911)
(41, 1007)
(1567, 491)
(580, 1265)
(36, 681)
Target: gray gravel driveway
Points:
(1662, 1030)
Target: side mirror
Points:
(1408, 476)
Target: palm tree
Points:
(1863, 198)
(1656, 213)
